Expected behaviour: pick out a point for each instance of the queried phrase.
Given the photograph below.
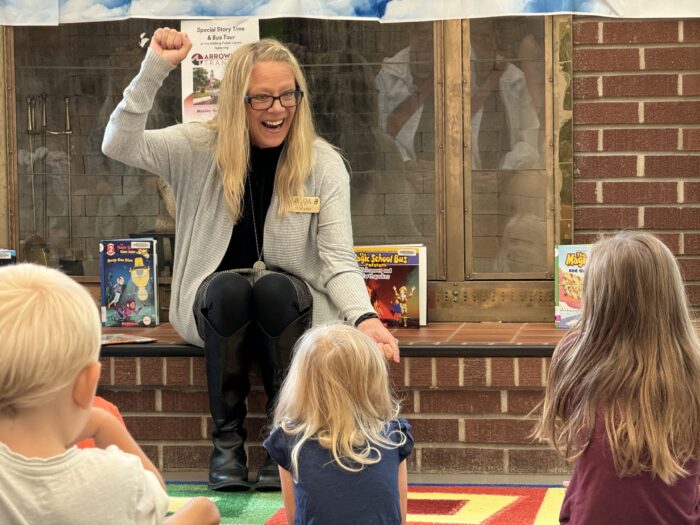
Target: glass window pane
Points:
(509, 178)
(371, 87)
(89, 65)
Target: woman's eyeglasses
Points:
(288, 99)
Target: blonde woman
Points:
(337, 438)
(264, 238)
(623, 394)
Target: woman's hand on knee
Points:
(387, 343)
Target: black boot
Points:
(227, 368)
(274, 357)
(268, 476)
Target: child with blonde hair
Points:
(49, 369)
(337, 437)
(623, 394)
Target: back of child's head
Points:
(633, 291)
(49, 331)
(635, 355)
(337, 390)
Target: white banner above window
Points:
(53, 12)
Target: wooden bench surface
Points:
(434, 340)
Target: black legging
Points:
(272, 302)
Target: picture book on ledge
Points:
(7, 257)
(570, 263)
(396, 277)
(122, 339)
(128, 282)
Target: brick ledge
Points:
(434, 340)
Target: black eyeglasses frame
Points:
(298, 96)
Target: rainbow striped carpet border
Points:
(428, 504)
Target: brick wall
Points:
(637, 165)
(469, 415)
(473, 415)
(637, 133)
(164, 404)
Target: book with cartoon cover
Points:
(570, 264)
(7, 257)
(396, 277)
(121, 339)
(128, 282)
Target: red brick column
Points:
(637, 133)
(474, 415)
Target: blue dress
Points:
(326, 493)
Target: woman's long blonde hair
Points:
(635, 356)
(337, 392)
(230, 126)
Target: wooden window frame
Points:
(460, 294)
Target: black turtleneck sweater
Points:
(242, 251)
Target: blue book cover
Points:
(128, 282)
(7, 257)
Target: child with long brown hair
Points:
(623, 394)
(337, 437)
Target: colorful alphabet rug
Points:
(427, 504)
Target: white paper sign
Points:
(213, 41)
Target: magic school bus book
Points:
(128, 282)
(570, 263)
(396, 277)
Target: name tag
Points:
(305, 204)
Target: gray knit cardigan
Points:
(316, 247)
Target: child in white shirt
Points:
(49, 369)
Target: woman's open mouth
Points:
(273, 124)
